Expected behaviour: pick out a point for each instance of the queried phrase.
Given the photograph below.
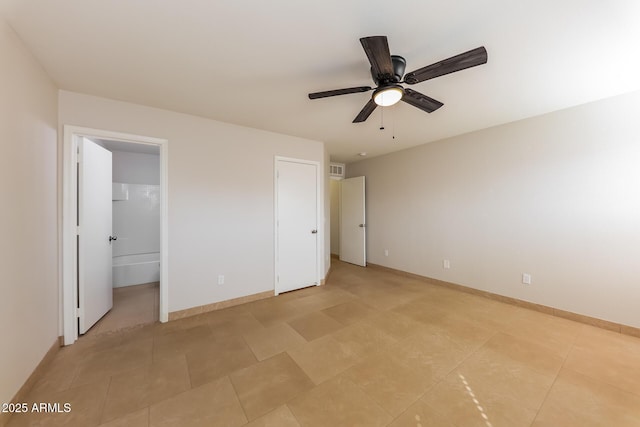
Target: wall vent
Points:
(336, 170)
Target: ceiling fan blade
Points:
(377, 50)
(365, 112)
(336, 92)
(465, 60)
(421, 101)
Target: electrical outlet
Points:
(386, 252)
(221, 279)
(446, 264)
(526, 278)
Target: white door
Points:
(296, 225)
(352, 221)
(95, 288)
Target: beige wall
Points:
(556, 196)
(221, 200)
(28, 216)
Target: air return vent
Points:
(336, 170)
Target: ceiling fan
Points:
(387, 71)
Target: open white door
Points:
(296, 225)
(95, 288)
(352, 221)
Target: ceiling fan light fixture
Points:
(386, 96)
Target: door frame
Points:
(69, 259)
(319, 215)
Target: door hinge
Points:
(78, 230)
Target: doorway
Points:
(72, 210)
(134, 271)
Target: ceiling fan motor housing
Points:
(399, 65)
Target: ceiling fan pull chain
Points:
(382, 118)
(393, 123)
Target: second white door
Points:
(296, 225)
(95, 287)
(353, 234)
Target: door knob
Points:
(112, 238)
(314, 231)
(361, 225)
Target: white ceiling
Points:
(253, 62)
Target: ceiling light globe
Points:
(388, 95)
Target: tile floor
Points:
(132, 306)
(368, 349)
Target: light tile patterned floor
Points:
(132, 306)
(368, 349)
